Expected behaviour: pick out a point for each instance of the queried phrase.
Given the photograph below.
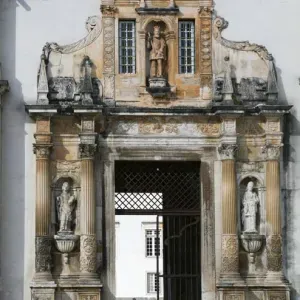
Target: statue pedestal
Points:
(157, 82)
(158, 87)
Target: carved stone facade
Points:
(89, 114)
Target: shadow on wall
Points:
(12, 219)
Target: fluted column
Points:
(43, 240)
(273, 212)
(88, 244)
(230, 244)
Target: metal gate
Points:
(171, 191)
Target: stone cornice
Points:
(35, 110)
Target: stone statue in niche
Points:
(250, 207)
(156, 44)
(66, 204)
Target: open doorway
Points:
(157, 207)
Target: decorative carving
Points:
(227, 151)
(205, 39)
(274, 253)
(88, 252)
(66, 204)
(157, 46)
(93, 25)
(234, 296)
(87, 84)
(209, 128)
(250, 126)
(43, 259)
(277, 296)
(250, 167)
(273, 126)
(87, 151)
(227, 90)
(249, 211)
(229, 126)
(220, 24)
(61, 168)
(230, 253)
(108, 10)
(272, 152)
(88, 297)
(42, 88)
(63, 88)
(42, 151)
(42, 297)
(43, 125)
(157, 125)
(87, 125)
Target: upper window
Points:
(127, 47)
(186, 47)
(152, 242)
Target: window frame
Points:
(153, 242)
(156, 279)
(184, 39)
(126, 48)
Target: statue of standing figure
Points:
(250, 206)
(65, 206)
(157, 46)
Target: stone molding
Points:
(42, 151)
(88, 253)
(43, 259)
(87, 151)
(220, 24)
(227, 151)
(230, 254)
(272, 152)
(108, 10)
(274, 253)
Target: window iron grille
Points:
(186, 47)
(153, 243)
(127, 54)
(149, 187)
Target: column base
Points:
(276, 279)
(43, 290)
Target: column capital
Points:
(227, 151)
(272, 151)
(108, 10)
(42, 151)
(87, 151)
(205, 11)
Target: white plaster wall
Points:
(132, 265)
(25, 26)
(276, 25)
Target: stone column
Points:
(273, 210)
(230, 242)
(172, 62)
(108, 15)
(42, 282)
(88, 244)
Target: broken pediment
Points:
(250, 67)
(71, 72)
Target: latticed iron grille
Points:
(157, 186)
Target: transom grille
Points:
(157, 186)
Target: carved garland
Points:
(43, 260)
(230, 254)
(274, 253)
(88, 252)
(220, 24)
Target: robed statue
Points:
(157, 46)
(250, 207)
(66, 204)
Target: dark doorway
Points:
(170, 192)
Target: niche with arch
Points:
(258, 190)
(74, 191)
